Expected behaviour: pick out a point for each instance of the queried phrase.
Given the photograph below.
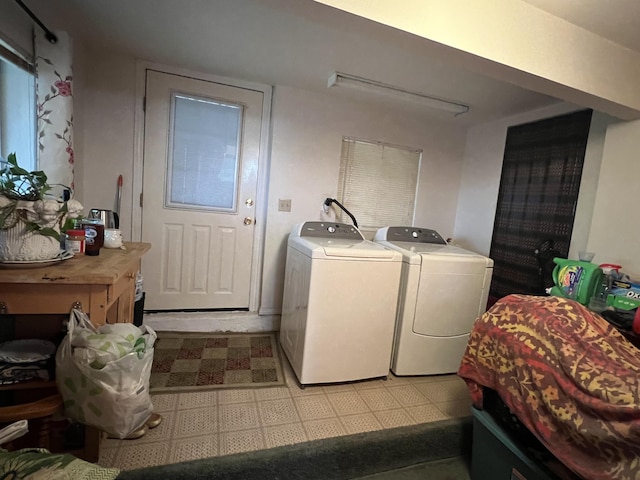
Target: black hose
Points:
(328, 203)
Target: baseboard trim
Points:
(212, 322)
(269, 311)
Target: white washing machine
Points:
(339, 304)
(442, 291)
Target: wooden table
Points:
(102, 286)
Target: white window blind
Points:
(204, 161)
(378, 183)
(17, 107)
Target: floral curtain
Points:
(55, 109)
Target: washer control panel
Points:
(414, 234)
(330, 230)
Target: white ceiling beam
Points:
(513, 41)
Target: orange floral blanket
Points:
(568, 375)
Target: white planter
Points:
(16, 244)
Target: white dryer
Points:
(339, 304)
(442, 291)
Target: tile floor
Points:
(221, 422)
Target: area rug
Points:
(185, 362)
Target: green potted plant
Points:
(30, 222)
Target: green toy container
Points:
(576, 279)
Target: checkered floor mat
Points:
(197, 361)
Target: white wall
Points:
(104, 107)
(305, 160)
(615, 227)
(589, 186)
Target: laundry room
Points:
(359, 162)
(460, 154)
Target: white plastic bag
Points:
(103, 374)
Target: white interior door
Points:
(201, 152)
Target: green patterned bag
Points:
(111, 391)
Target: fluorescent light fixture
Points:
(371, 86)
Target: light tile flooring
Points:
(221, 422)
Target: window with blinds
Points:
(17, 107)
(378, 183)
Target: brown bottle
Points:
(94, 233)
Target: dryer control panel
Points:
(414, 234)
(330, 230)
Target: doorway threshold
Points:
(212, 322)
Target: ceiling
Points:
(617, 20)
(300, 43)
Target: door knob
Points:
(248, 220)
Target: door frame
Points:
(263, 161)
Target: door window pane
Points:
(203, 153)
